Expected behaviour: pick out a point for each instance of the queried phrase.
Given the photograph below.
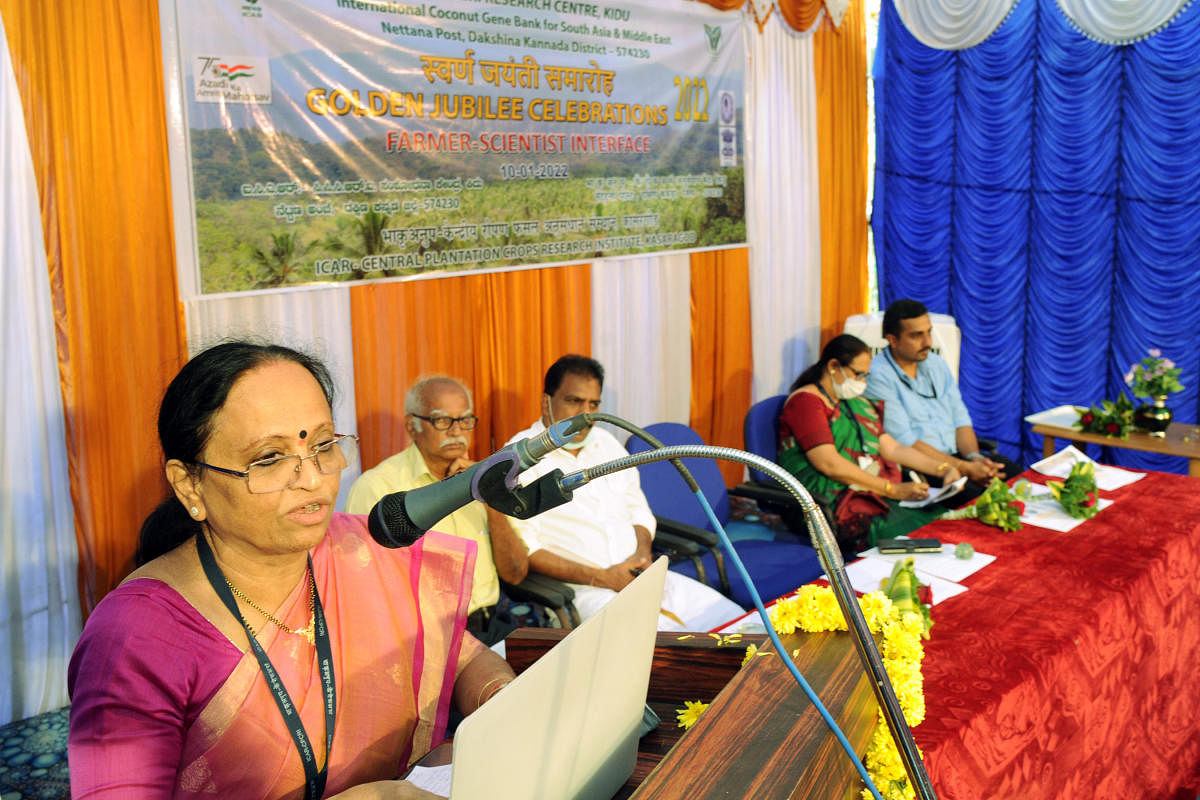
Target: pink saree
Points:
(397, 627)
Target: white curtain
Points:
(39, 606)
(642, 334)
(958, 24)
(315, 320)
(782, 205)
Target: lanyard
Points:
(910, 383)
(314, 778)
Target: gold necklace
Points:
(309, 632)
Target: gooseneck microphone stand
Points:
(830, 556)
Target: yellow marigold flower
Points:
(819, 610)
(750, 651)
(785, 616)
(691, 712)
(815, 608)
(877, 608)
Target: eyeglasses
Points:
(274, 474)
(858, 374)
(467, 422)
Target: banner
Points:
(333, 140)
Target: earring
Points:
(195, 511)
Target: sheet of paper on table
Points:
(937, 493)
(867, 575)
(1059, 417)
(1107, 478)
(1042, 510)
(944, 565)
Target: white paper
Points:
(432, 779)
(943, 565)
(867, 575)
(936, 494)
(1060, 417)
(1107, 477)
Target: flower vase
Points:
(1154, 418)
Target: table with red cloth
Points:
(1069, 668)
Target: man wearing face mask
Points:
(439, 418)
(833, 440)
(600, 541)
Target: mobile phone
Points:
(909, 546)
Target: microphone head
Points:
(389, 523)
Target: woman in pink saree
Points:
(268, 647)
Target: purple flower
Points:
(1154, 351)
(1168, 364)
(1129, 379)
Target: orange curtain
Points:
(840, 57)
(496, 331)
(722, 360)
(800, 14)
(91, 84)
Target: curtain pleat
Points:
(1040, 187)
(92, 90)
(960, 24)
(495, 331)
(840, 63)
(39, 597)
(721, 350)
(800, 15)
(783, 216)
(640, 323)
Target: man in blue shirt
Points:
(922, 405)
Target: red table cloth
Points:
(1069, 668)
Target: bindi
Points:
(303, 434)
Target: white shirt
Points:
(596, 526)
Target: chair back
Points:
(947, 338)
(760, 433)
(665, 489)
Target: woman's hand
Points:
(911, 490)
(385, 790)
(951, 476)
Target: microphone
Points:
(400, 518)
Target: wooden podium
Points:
(761, 737)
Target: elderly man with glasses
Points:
(439, 418)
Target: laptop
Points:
(567, 728)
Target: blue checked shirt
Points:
(928, 408)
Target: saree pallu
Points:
(806, 422)
(396, 620)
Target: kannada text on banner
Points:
(353, 139)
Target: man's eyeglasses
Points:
(467, 422)
(274, 474)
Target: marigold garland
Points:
(814, 609)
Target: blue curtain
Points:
(1044, 189)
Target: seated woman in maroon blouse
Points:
(831, 438)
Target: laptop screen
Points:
(567, 727)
